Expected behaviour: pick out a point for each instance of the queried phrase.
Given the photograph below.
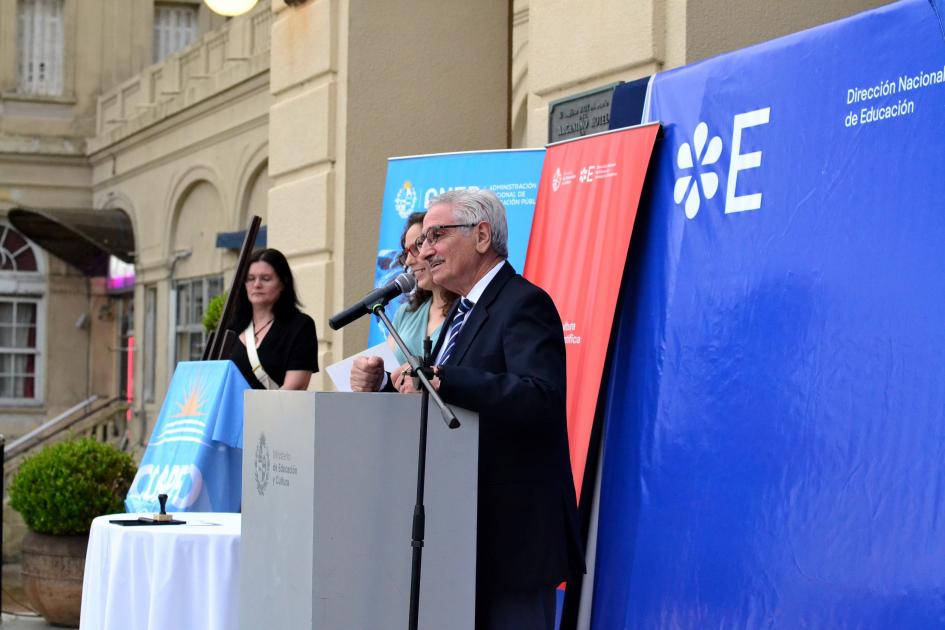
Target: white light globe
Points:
(230, 7)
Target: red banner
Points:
(587, 202)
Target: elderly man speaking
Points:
(503, 356)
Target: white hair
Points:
(473, 205)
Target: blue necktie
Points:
(461, 311)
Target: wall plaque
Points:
(580, 115)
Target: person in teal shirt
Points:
(420, 315)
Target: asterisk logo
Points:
(688, 186)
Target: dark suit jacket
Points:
(509, 365)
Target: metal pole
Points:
(3, 462)
(419, 518)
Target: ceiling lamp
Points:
(230, 7)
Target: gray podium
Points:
(329, 485)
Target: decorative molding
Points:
(215, 63)
(177, 193)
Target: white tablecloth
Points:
(167, 577)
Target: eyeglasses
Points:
(413, 249)
(435, 232)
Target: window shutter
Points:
(40, 47)
(175, 27)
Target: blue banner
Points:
(413, 181)
(773, 442)
(196, 448)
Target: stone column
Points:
(303, 120)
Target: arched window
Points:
(22, 319)
(197, 278)
(16, 254)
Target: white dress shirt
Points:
(474, 295)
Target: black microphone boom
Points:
(404, 283)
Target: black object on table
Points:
(159, 519)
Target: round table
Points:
(163, 576)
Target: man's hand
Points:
(367, 374)
(401, 373)
(408, 385)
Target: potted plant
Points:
(58, 492)
(214, 311)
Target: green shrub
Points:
(211, 316)
(63, 487)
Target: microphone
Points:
(404, 283)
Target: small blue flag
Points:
(195, 452)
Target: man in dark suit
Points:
(503, 356)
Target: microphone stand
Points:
(448, 416)
(419, 515)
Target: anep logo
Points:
(697, 180)
(182, 483)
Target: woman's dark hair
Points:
(419, 296)
(288, 301)
(416, 299)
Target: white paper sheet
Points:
(340, 373)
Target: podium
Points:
(329, 487)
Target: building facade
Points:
(189, 124)
(64, 335)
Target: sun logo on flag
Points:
(192, 402)
(688, 186)
(189, 423)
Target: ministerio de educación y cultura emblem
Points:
(262, 465)
(406, 200)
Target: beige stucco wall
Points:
(352, 82)
(186, 160)
(59, 180)
(44, 164)
(105, 43)
(355, 82)
(182, 183)
(577, 46)
(717, 26)
(303, 127)
(447, 91)
(571, 46)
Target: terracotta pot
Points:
(52, 572)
